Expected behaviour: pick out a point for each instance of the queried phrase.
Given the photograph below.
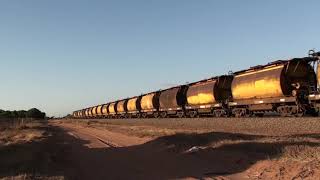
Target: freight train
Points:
(285, 87)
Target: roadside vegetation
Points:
(27, 147)
(33, 113)
(30, 151)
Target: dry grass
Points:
(20, 134)
(26, 152)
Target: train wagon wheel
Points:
(156, 115)
(290, 111)
(193, 114)
(144, 115)
(180, 114)
(138, 115)
(299, 112)
(282, 111)
(216, 113)
(219, 113)
(163, 114)
(241, 112)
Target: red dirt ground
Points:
(157, 150)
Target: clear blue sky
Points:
(64, 55)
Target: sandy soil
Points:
(267, 148)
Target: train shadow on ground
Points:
(162, 158)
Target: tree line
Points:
(33, 113)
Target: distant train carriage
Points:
(122, 108)
(209, 97)
(94, 112)
(172, 102)
(133, 107)
(82, 114)
(112, 110)
(90, 112)
(105, 111)
(99, 111)
(87, 113)
(74, 114)
(150, 104)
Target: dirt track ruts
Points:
(104, 137)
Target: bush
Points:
(35, 113)
(32, 113)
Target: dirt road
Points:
(101, 138)
(100, 154)
(93, 152)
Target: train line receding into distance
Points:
(287, 87)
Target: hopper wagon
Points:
(134, 107)
(209, 97)
(172, 102)
(149, 105)
(280, 86)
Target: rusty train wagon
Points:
(150, 105)
(94, 112)
(83, 113)
(99, 111)
(112, 110)
(79, 115)
(281, 86)
(87, 113)
(209, 97)
(134, 107)
(105, 111)
(75, 114)
(172, 102)
(90, 112)
(122, 108)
